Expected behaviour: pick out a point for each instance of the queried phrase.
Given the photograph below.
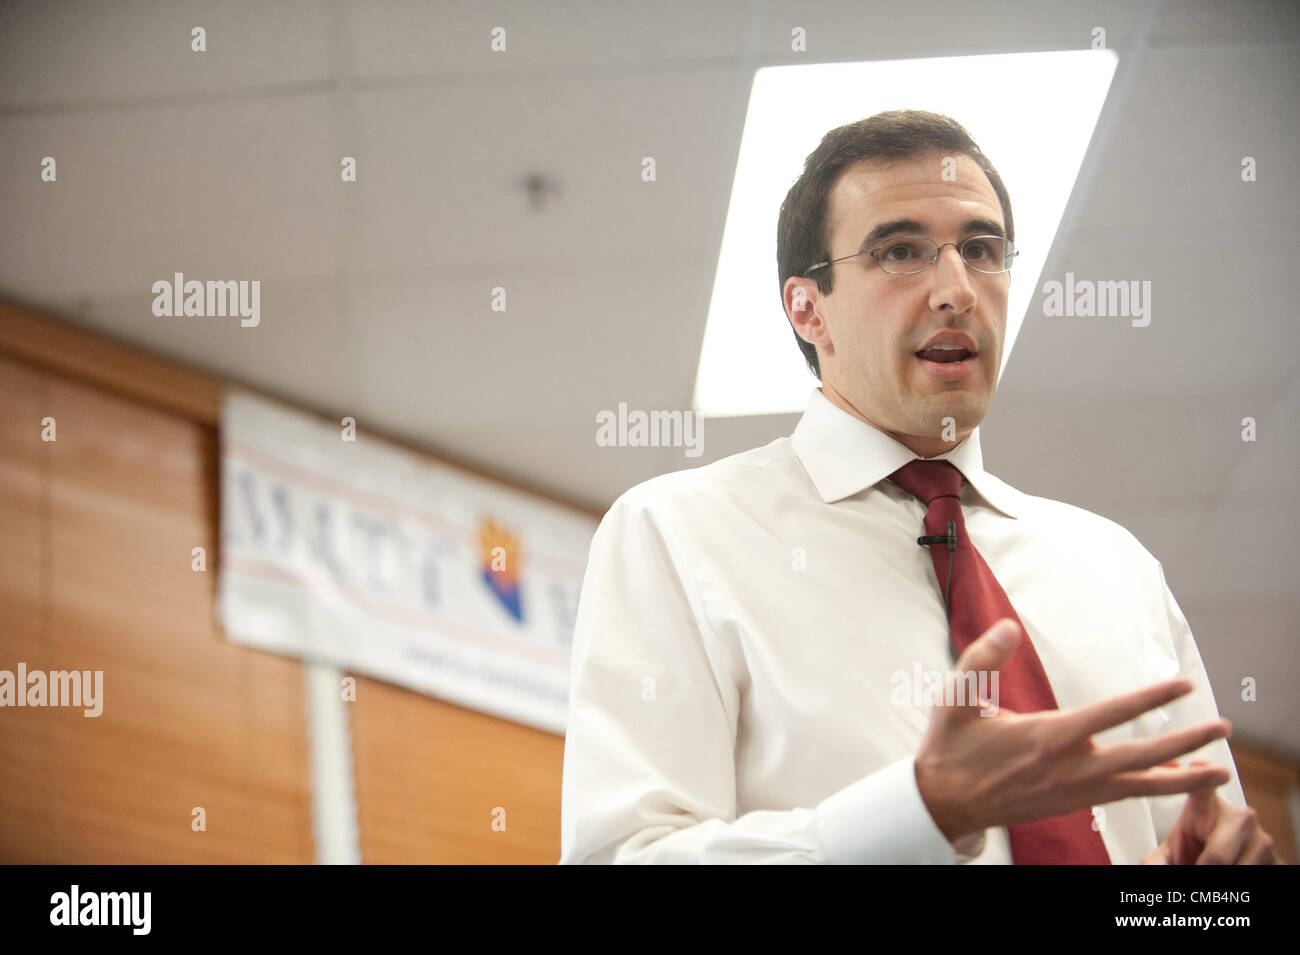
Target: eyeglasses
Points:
(909, 254)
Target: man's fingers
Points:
(1156, 856)
(1161, 782)
(1204, 804)
(1259, 850)
(1141, 754)
(1227, 840)
(1095, 717)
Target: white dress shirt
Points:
(745, 630)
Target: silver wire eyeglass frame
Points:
(1008, 258)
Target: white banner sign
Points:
(338, 547)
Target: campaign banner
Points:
(337, 546)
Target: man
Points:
(761, 642)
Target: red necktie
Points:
(976, 602)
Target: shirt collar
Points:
(843, 455)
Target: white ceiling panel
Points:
(79, 54)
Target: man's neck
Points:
(923, 446)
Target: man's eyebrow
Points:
(971, 227)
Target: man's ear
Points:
(801, 297)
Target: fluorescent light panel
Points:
(1032, 114)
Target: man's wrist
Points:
(949, 823)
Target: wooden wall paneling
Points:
(278, 761)
(1267, 779)
(75, 354)
(188, 719)
(126, 513)
(26, 734)
(429, 775)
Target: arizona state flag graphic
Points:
(499, 555)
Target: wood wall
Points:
(95, 574)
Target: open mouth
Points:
(945, 354)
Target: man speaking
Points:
(855, 644)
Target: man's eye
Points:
(901, 251)
(982, 249)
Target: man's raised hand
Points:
(975, 772)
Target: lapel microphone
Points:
(950, 539)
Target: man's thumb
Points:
(993, 648)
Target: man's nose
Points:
(952, 286)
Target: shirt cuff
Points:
(882, 819)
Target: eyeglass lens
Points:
(907, 254)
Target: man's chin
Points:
(954, 412)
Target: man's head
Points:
(859, 327)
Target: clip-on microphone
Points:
(950, 539)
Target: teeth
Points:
(948, 347)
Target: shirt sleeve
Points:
(649, 754)
(1195, 708)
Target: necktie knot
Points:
(927, 480)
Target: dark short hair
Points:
(802, 231)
